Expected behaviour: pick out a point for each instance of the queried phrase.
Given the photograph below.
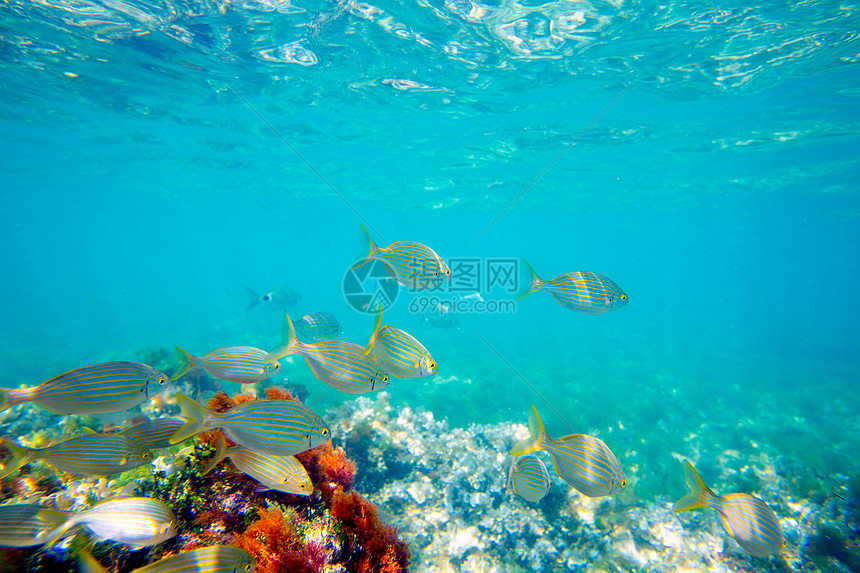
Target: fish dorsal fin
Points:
(368, 350)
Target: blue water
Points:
(704, 156)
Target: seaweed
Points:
(373, 545)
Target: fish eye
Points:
(385, 378)
(447, 272)
(432, 365)
(144, 456)
(324, 432)
(623, 483)
(248, 567)
(623, 297)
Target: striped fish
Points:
(212, 559)
(281, 473)
(87, 455)
(134, 521)
(242, 364)
(584, 462)
(746, 518)
(528, 478)
(399, 352)
(26, 524)
(275, 427)
(343, 365)
(409, 263)
(98, 389)
(318, 326)
(582, 291)
(153, 434)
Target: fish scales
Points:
(343, 365)
(277, 427)
(26, 524)
(529, 478)
(97, 389)
(87, 455)
(241, 364)
(134, 521)
(153, 434)
(748, 519)
(399, 352)
(212, 559)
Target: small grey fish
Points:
(280, 298)
(87, 455)
(27, 524)
(153, 434)
(97, 389)
(134, 521)
(318, 326)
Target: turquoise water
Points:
(704, 156)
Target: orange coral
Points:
(372, 542)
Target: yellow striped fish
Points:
(242, 364)
(318, 326)
(26, 524)
(153, 434)
(399, 352)
(343, 365)
(528, 478)
(97, 389)
(212, 559)
(134, 521)
(87, 455)
(409, 263)
(582, 291)
(275, 427)
(584, 462)
(746, 518)
(281, 473)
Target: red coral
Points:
(278, 393)
(328, 468)
(276, 545)
(372, 542)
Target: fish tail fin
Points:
(289, 341)
(369, 248)
(195, 419)
(699, 492)
(13, 396)
(368, 350)
(534, 282)
(186, 362)
(220, 453)
(20, 456)
(88, 564)
(58, 532)
(254, 299)
(535, 440)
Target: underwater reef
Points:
(399, 490)
(335, 529)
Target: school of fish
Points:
(269, 433)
